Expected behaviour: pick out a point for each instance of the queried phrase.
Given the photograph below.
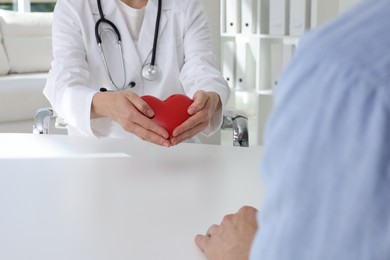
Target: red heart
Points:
(171, 112)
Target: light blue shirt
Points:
(326, 163)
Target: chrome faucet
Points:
(239, 124)
(42, 120)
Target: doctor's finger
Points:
(190, 123)
(147, 124)
(187, 134)
(132, 120)
(150, 136)
(200, 99)
(140, 104)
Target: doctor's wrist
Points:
(216, 100)
(99, 105)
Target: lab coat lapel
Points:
(146, 38)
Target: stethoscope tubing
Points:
(153, 71)
(156, 30)
(104, 20)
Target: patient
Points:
(326, 161)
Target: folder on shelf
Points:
(245, 65)
(299, 16)
(278, 16)
(322, 11)
(222, 17)
(262, 16)
(233, 16)
(263, 62)
(248, 19)
(228, 61)
(276, 62)
(240, 64)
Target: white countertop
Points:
(80, 198)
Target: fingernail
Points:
(150, 112)
(191, 110)
(166, 144)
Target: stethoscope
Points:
(150, 71)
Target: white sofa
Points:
(25, 56)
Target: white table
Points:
(80, 198)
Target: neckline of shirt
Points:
(132, 11)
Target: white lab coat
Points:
(184, 55)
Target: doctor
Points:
(133, 48)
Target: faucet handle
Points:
(238, 121)
(42, 120)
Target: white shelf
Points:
(261, 36)
(253, 91)
(253, 61)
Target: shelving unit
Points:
(253, 52)
(252, 84)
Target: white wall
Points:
(213, 11)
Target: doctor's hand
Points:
(232, 239)
(202, 109)
(132, 113)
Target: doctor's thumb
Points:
(145, 109)
(195, 107)
(149, 112)
(191, 110)
(199, 101)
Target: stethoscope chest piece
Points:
(151, 72)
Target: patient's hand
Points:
(232, 239)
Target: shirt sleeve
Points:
(68, 85)
(325, 162)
